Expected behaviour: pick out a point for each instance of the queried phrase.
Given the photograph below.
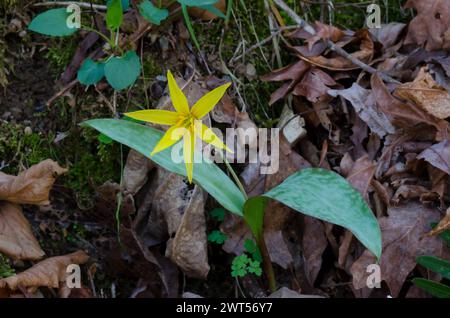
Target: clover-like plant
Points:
(315, 192)
(120, 67)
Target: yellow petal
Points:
(156, 116)
(177, 96)
(207, 135)
(188, 153)
(205, 104)
(172, 135)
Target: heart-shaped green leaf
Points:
(52, 22)
(143, 139)
(151, 13)
(122, 72)
(197, 3)
(90, 72)
(325, 195)
(114, 15)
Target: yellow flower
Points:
(185, 122)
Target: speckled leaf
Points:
(324, 195)
(143, 139)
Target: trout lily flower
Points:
(185, 122)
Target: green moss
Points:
(90, 163)
(60, 52)
(5, 267)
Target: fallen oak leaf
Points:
(47, 273)
(31, 186)
(16, 236)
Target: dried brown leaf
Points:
(16, 236)
(32, 186)
(49, 273)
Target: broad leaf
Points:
(324, 195)
(52, 22)
(122, 72)
(197, 3)
(143, 139)
(91, 72)
(435, 264)
(436, 289)
(151, 13)
(114, 14)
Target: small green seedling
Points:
(242, 265)
(120, 68)
(217, 237)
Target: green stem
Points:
(85, 27)
(190, 27)
(229, 9)
(267, 263)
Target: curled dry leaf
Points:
(388, 34)
(135, 171)
(31, 186)
(428, 28)
(438, 155)
(49, 273)
(442, 226)
(427, 94)
(189, 247)
(363, 102)
(16, 236)
(403, 240)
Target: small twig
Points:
(308, 28)
(61, 92)
(66, 3)
(263, 42)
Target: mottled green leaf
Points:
(197, 3)
(143, 139)
(322, 194)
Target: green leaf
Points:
(114, 15)
(444, 235)
(151, 13)
(251, 247)
(435, 264)
(143, 139)
(436, 289)
(125, 4)
(104, 139)
(218, 214)
(211, 8)
(217, 237)
(122, 72)
(91, 72)
(197, 3)
(52, 22)
(324, 195)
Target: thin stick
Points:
(66, 3)
(308, 28)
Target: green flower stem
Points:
(267, 263)
(87, 28)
